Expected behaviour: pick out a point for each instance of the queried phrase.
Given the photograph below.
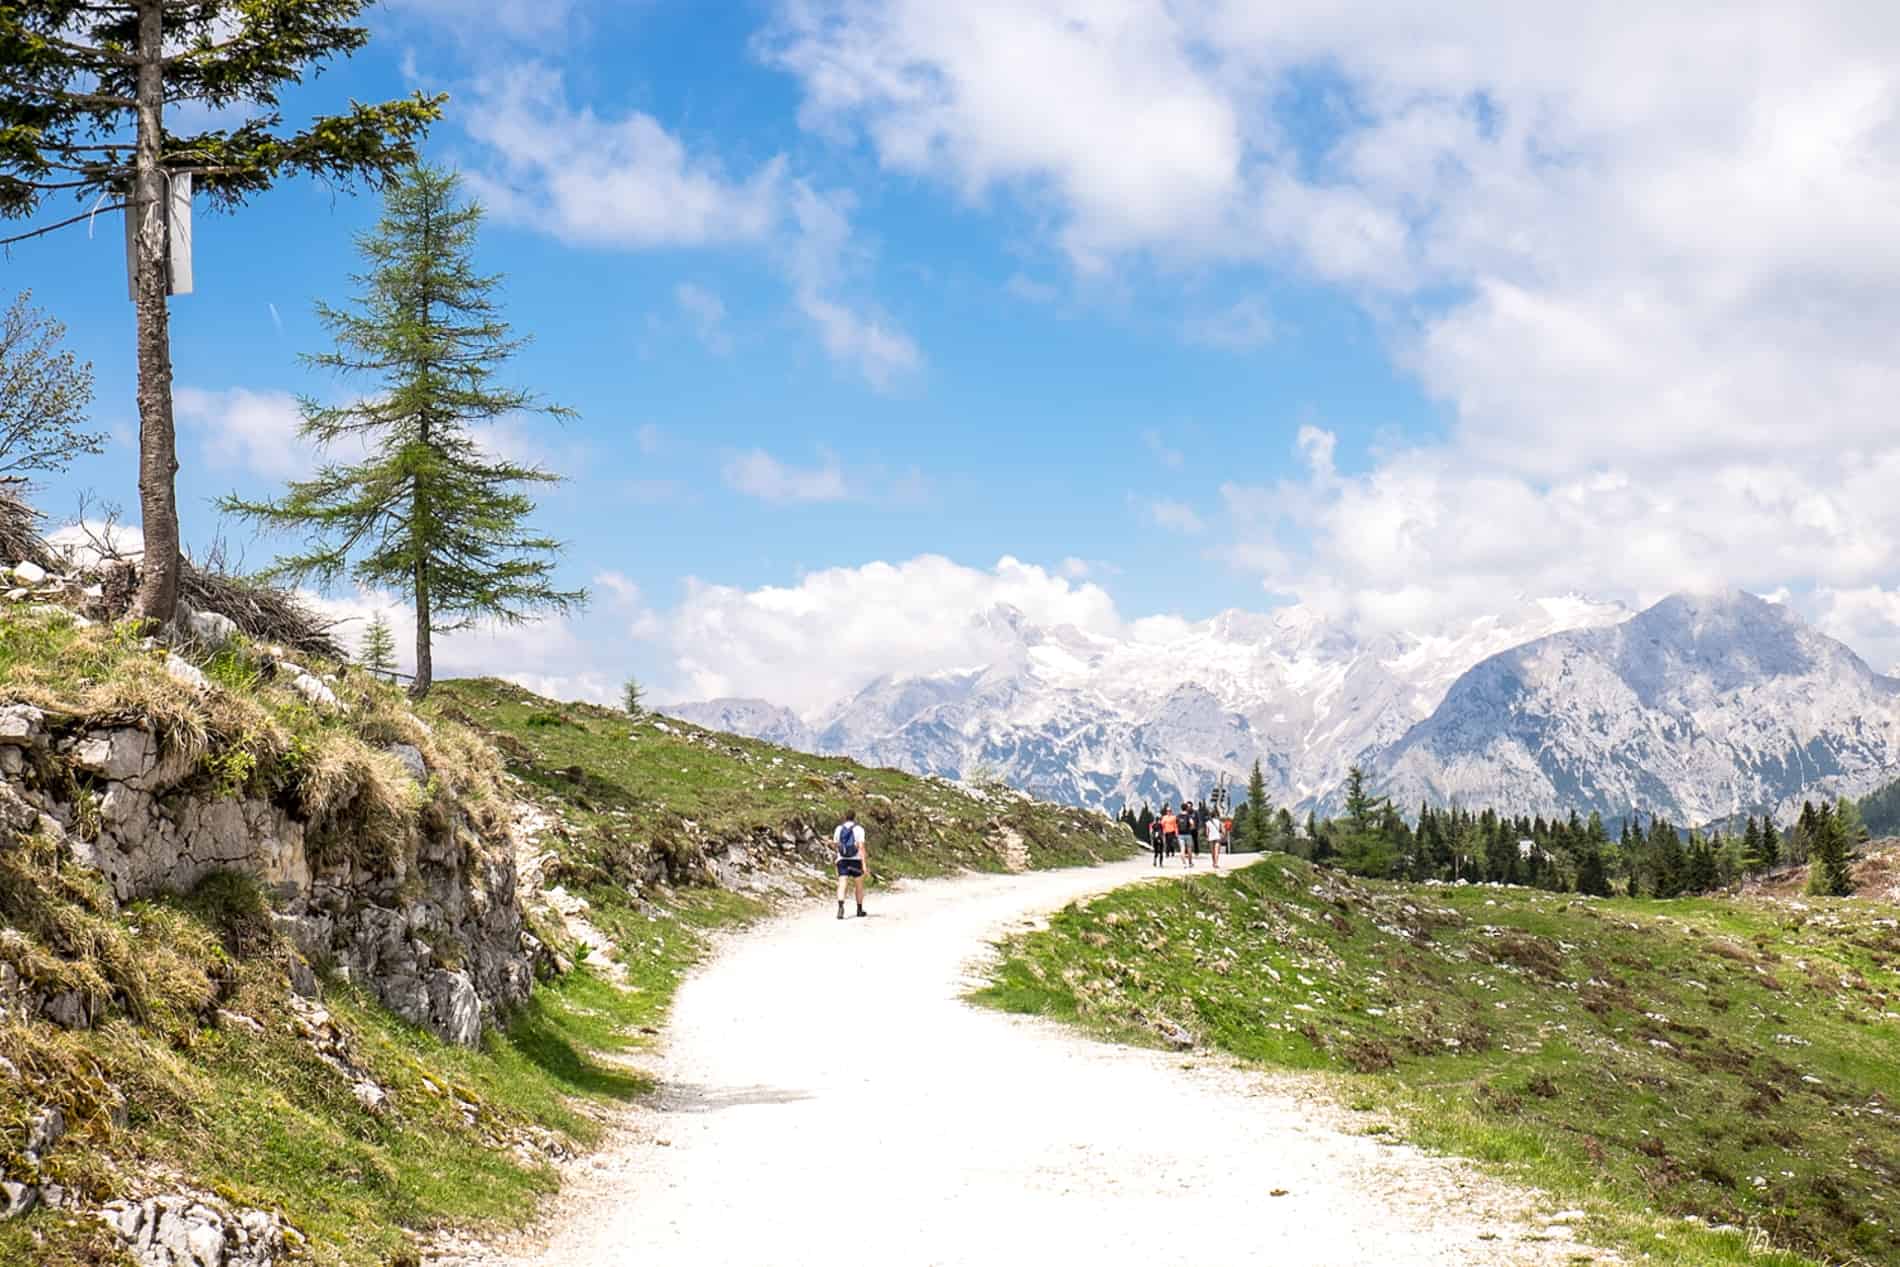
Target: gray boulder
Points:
(22, 726)
(209, 629)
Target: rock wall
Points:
(433, 928)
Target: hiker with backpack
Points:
(848, 840)
(1214, 833)
(1156, 840)
(1170, 830)
(1190, 832)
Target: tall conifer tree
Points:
(429, 511)
(1829, 870)
(1257, 836)
(83, 115)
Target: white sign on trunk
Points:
(177, 212)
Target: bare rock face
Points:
(184, 1231)
(430, 925)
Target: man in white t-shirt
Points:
(1214, 837)
(848, 840)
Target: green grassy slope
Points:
(617, 779)
(1729, 1061)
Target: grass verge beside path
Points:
(1714, 1081)
(259, 1119)
(618, 778)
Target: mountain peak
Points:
(1706, 694)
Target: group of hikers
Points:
(1174, 832)
(1184, 831)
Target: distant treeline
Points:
(1647, 857)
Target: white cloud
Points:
(649, 438)
(706, 313)
(624, 182)
(757, 473)
(1162, 451)
(625, 595)
(1241, 326)
(546, 656)
(879, 351)
(1176, 517)
(630, 183)
(1652, 290)
(1100, 109)
(1022, 286)
(821, 258)
(810, 644)
(251, 431)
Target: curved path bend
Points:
(828, 1098)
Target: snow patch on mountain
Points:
(1097, 720)
(1702, 706)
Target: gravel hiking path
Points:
(828, 1098)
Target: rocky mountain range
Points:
(1694, 708)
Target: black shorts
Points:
(849, 867)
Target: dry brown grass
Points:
(358, 802)
(63, 935)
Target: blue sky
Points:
(1181, 306)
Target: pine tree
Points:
(1770, 845)
(1829, 872)
(1668, 865)
(1258, 837)
(429, 511)
(1700, 868)
(633, 696)
(1795, 846)
(82, 113)
(1753, 860)
(378, 651)
(1853, 826)
(1592, 877)
(1364, 847)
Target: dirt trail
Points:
(829, 1099)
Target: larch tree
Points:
(429, 511)
(83, 105)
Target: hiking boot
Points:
(841, 910)
(860, 912)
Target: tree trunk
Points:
(425, 665)
(158, 461)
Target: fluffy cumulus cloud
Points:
(608, 181)
(1641, 254)
(546, 656)
(810, 644)
(757, 473)
(250, 431)
(628, 182)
